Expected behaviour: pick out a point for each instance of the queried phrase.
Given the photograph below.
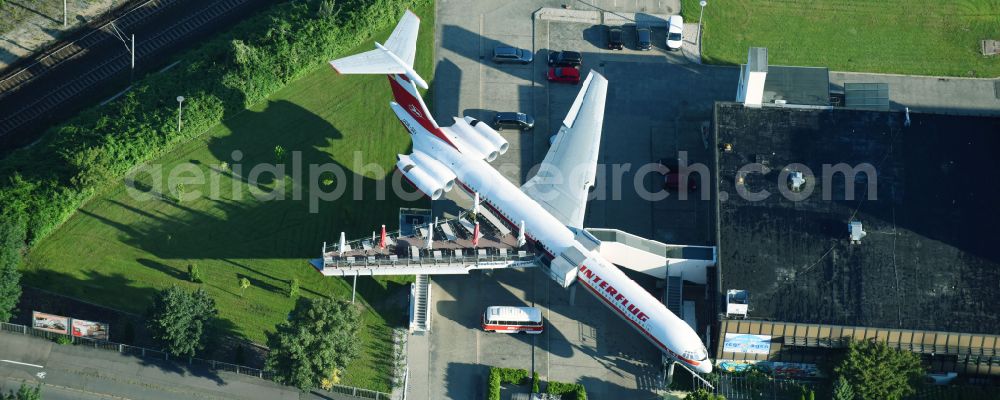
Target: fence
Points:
(161, 355)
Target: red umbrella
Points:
(475, 236)
(381, 242)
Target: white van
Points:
(675, 35)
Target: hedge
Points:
(576, 390)
(498, 375)
(46, 183)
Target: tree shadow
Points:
(241, 225)
(166, 269)
(466, 381)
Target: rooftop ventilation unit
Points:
(796, 180)
(856, 231)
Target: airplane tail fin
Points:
(395, 57)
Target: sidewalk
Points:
(35, 25)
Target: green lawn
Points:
(117, 250)
(917, 37)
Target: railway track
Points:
(43, 92)
(12, 80)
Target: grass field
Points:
(916, 37)
(118, 250)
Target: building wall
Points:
(964, 353)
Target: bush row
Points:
(576, 390)
(499, 375)
(520, 376)
(46, 183)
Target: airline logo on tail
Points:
(416, 112)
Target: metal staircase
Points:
(420, 319)
(673, 295)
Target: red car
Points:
(672, 177)
(564, 75)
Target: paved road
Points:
(77, 372)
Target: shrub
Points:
(293, 287)
(194, 274)
(702, 394)
(12, 235)
(493, 389)
(575, 390)
(534, 383)
(498, 376)
(64, 340)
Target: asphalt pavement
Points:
(78, 372)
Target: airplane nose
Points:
(705, 367)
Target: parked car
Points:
(513, 120)
(565, 59)
(564, 75)
(675, 35)
(643, 38)
(616, 39)
(511, 55)
(672, 177)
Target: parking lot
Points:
(657, 104)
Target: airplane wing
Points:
(568, 171)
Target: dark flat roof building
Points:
(929, 258)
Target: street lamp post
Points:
(701, 3)
(180, 103)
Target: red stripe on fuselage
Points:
(415, 108)
(637, 326)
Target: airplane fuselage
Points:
(601, 278)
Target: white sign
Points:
(746, 343)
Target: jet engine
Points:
(490, 134)
(427, 174)
(471, 138)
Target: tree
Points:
(25, 392)
(181, 320)
(876, 371)
(13, 232)
(842, 390)
(319, 338)
(244, 284)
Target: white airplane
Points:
(552, 202)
